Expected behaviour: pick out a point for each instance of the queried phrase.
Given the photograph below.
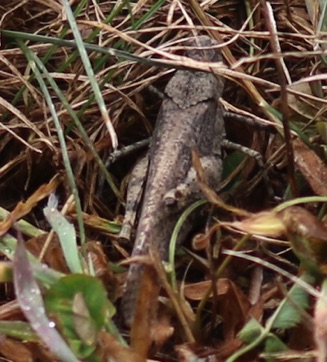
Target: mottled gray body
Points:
(189, 118)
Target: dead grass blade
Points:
(24, 208)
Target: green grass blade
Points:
(173, 240)
(18, 330)
(42, 272)
(79, 126)
(288, 314)
(66, 234)
(61, 138)
(90, 73)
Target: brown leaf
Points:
(299, 220)
(302, 108)
(308, 237)
(197, 291)
(10, 310)
(311, 166)
(102, 271)
(15, 351)
(225, 289)
(162, 330)
(145, 312)
(53, 256)
(114, 350)
(233, 305)
(25, 352)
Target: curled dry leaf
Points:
(306, 233)
(308, 236)
(292, 219)
(301, 221)
(200, 242)
(266, 223)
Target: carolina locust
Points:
(190, 118)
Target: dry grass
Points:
(56, 138)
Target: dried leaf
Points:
(301, 221)
(101, 267)
(162, 329)
(24, 208)
(53, 256)
(197, 291)
(311, 166)
(15, 350)
(115, 351)
(233, 305)
(145, 312)
(266, 223)
(301, 106)
(308, 237)
(200, 241)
